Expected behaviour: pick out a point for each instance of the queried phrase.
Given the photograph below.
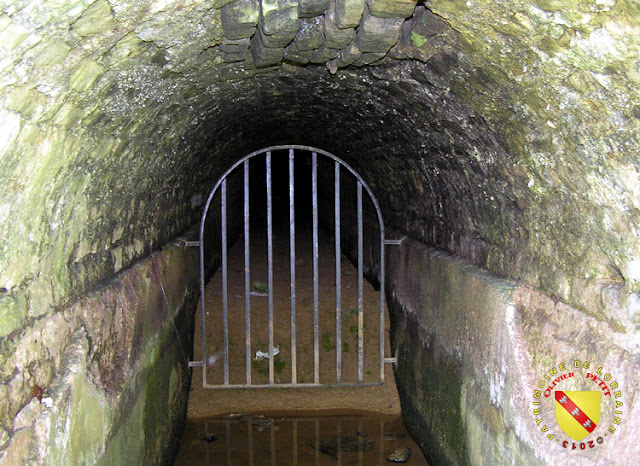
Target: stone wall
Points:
(471, 350)
(112, 369)
(503, 132)
(499, 132)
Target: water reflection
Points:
(300, 439)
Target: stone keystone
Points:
(311, 8)
(378, 34)
(240, 18)
(349, 13)
(392, 8)
(336, 38)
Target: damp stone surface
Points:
(502, 133)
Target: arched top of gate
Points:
(295, 147)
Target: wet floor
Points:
(313, 438)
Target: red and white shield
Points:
(577, 413)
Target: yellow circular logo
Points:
(577, 405)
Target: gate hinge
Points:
(195, 363)
(395, 242)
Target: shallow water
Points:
(313, 438)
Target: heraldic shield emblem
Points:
(577, 413)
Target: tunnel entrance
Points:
(286, 299)
(289, 307)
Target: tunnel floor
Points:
(328, 425)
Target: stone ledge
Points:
(484, 343)
(110, 363)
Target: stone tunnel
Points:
(501, 138)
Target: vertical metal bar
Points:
(382, 303)
(292, 262)
(270, 265)
(314, 201)
(227, 441)
(360, 288)
(295, 442)
(225, 324)
(338, 273)
(247, 275)
(203, 335)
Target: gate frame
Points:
(221, 183)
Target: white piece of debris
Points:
(212, 359)
(47, 401)
(260, 355)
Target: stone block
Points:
(50, 52)
(346, 57)
(240, 18)
(335, 37)
(293, 54)
(378, 34)
(392, 8)
(97, 19)
(427, 24)
(311, 8)
(85, 75)
(232, 51)
(13, 312)
(419, 39)
(349, 13)
(369, 58)
(277, 40)
(264, 56)
(230, 46)
(279, 17)
(233, 57)
(324, 54)
(310, 36)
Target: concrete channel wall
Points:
(472, 351)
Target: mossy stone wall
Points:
(471, 350)
(115, 369)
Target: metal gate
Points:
(339, 166)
